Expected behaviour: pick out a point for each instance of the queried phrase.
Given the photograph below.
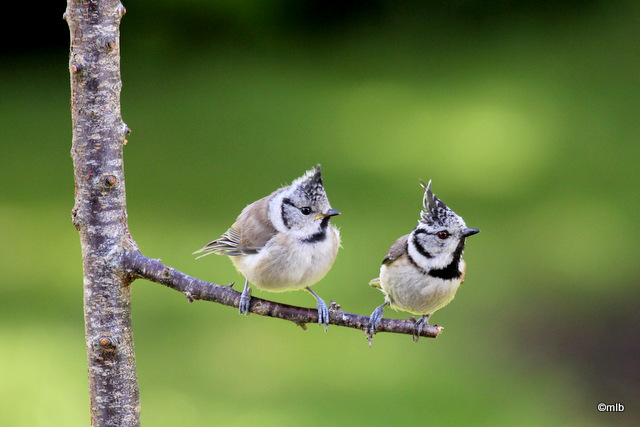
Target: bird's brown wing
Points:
(254, 227)
(251, 231)
(396, 250)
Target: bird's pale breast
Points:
(410, 289)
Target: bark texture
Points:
(99, 212)
(196, 289)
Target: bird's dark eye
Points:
(443, 234)
(306, 210)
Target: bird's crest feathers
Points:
(435, 212)
(311, 184)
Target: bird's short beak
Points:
(330, 212)
(470, 232)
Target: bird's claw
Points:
(323, 314)
(374, 319)
(245, 300)
(323, 310)
(418, 327)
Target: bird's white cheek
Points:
(437, 260)
(275, 212)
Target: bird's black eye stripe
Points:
(284, 217)
(306, 210)
(421, 250)
(444, 234)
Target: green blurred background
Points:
(525, 116)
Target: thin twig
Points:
(196, 289)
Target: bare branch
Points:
(196, 289)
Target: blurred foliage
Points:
(524, 114)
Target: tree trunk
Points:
(100, 212)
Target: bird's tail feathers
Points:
(227, 244)
(375, 282)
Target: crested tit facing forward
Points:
(283, 241)
(423, 269)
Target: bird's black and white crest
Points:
(435, 213)
(310, 184)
